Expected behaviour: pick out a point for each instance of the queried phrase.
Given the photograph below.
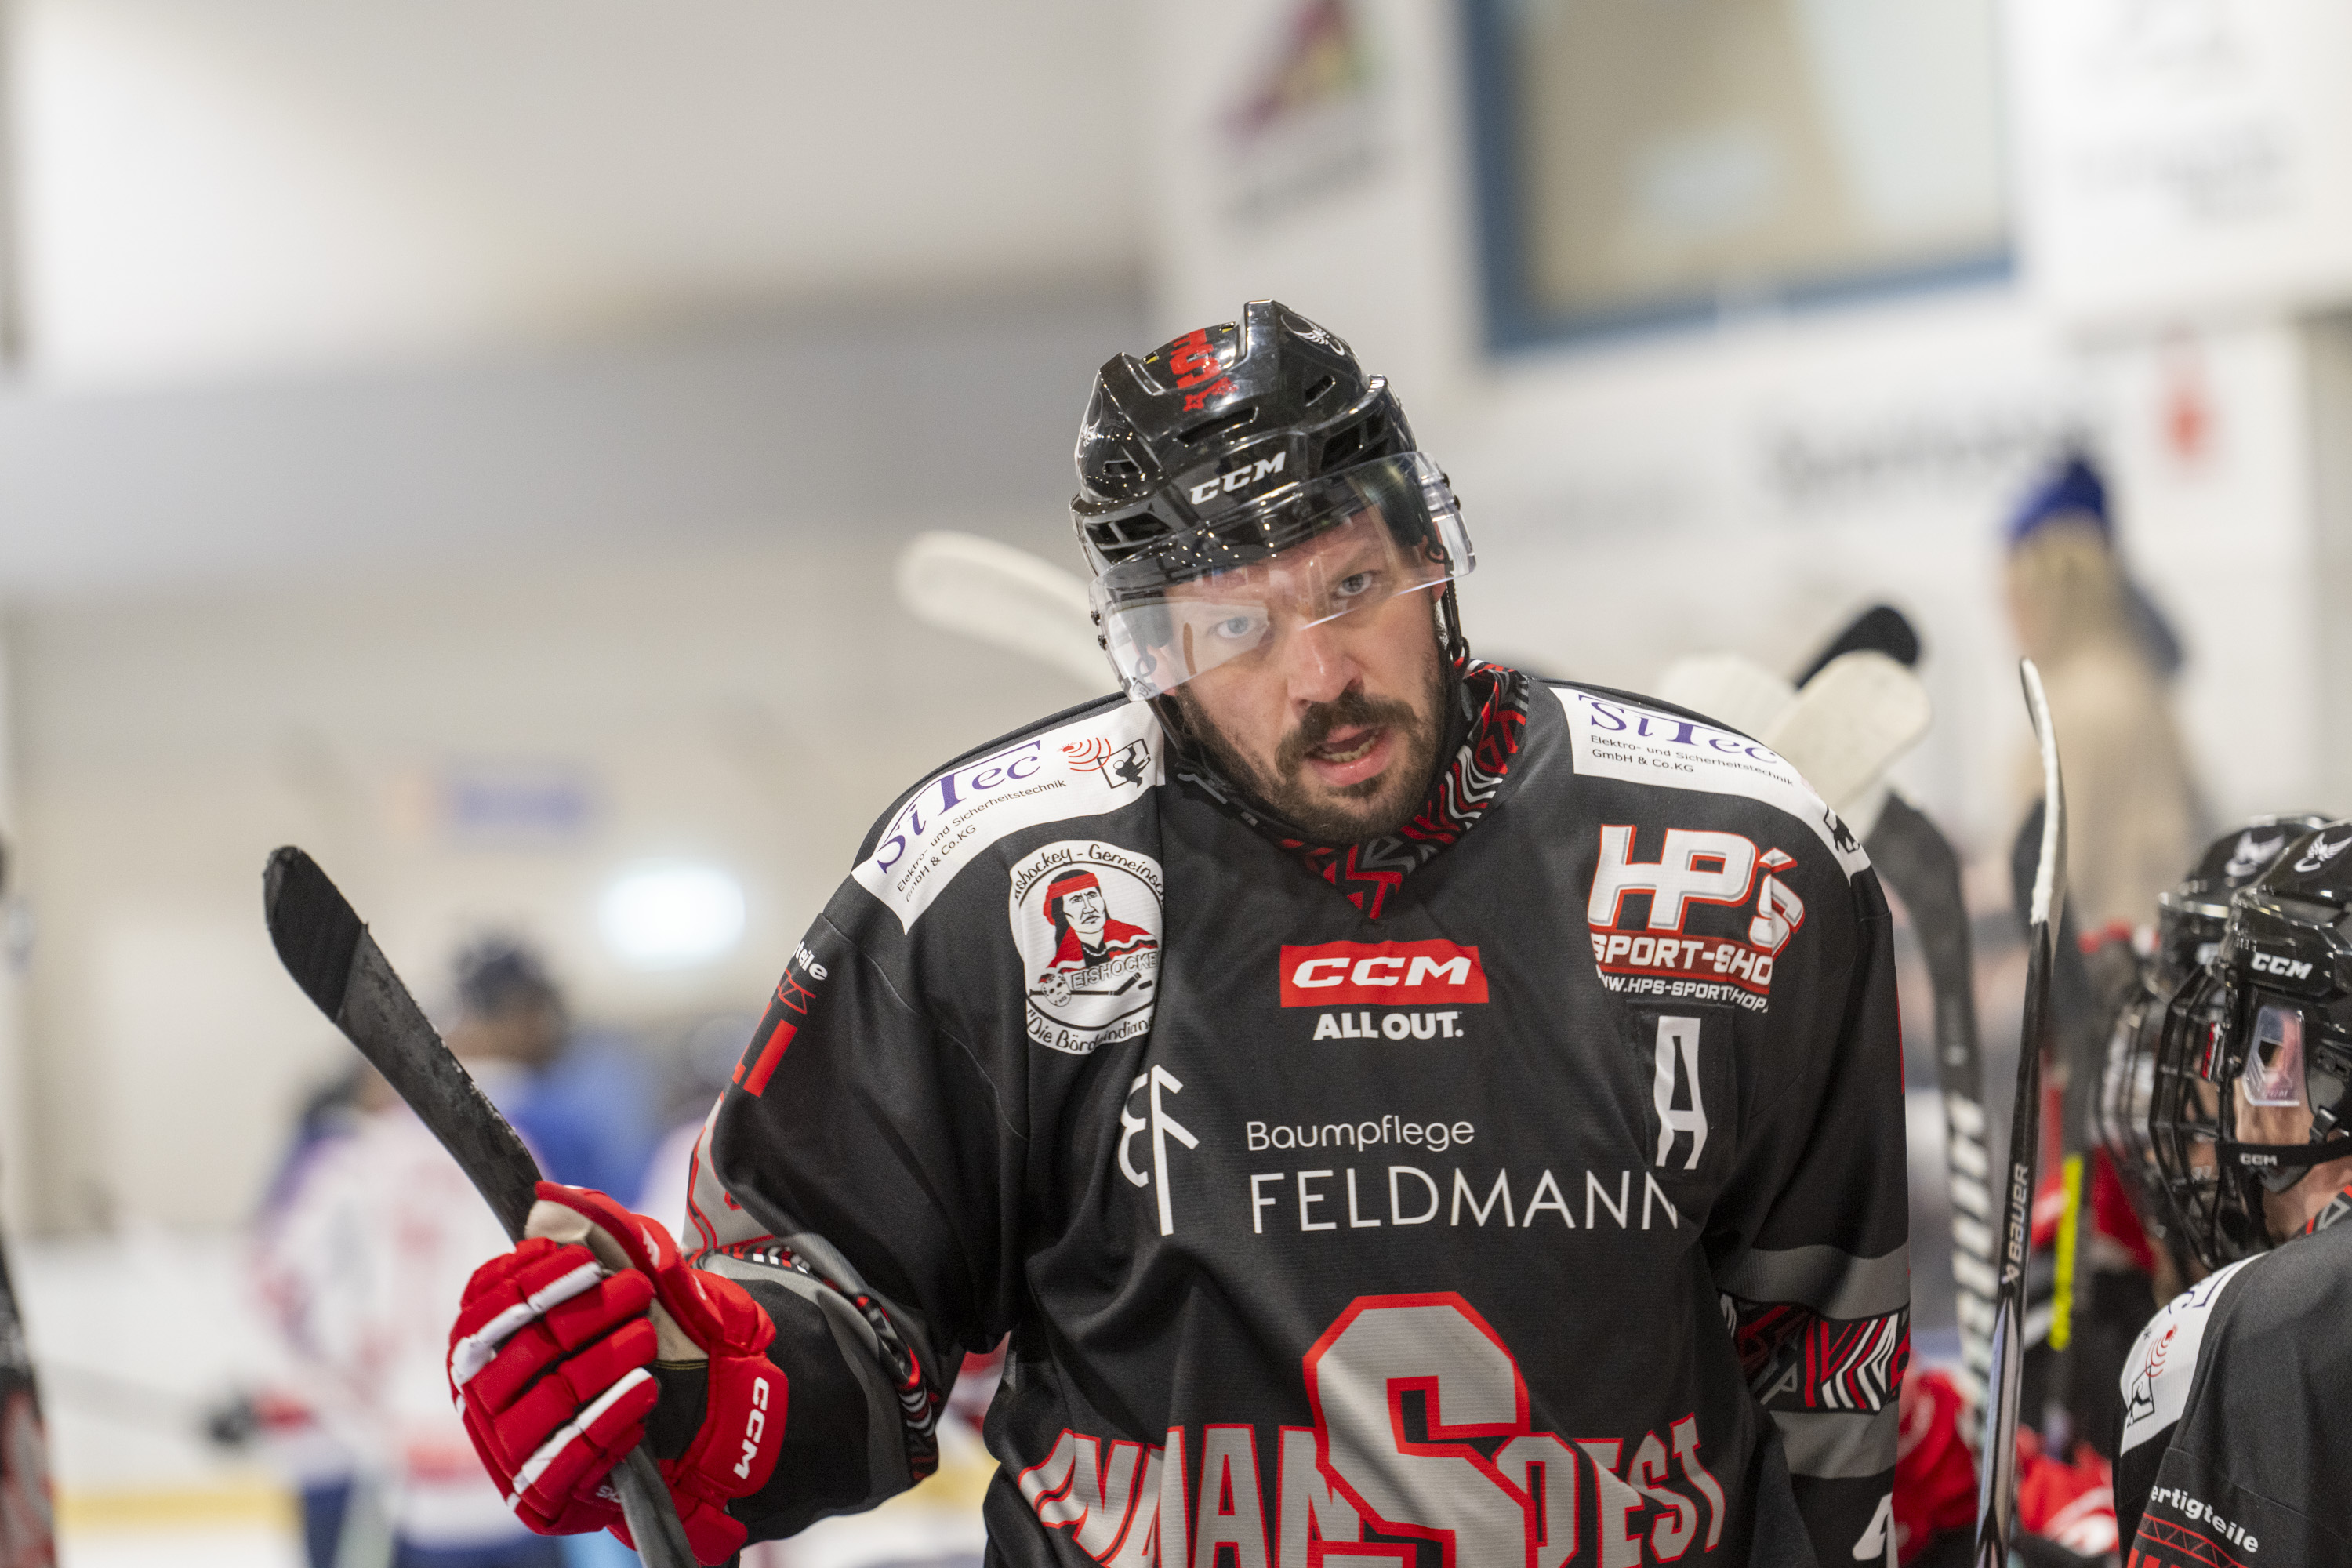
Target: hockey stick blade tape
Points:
(312, 925)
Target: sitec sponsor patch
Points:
(1383, 973)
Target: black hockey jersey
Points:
(2234, 1449)
(1558, 1215)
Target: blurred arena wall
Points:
(471, 443)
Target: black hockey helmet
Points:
(2189, 918)
(2266, 1022)
(1222, 449)
(2189, 924)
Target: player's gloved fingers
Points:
(518, 1365)
(592, 1314)
(578, 1454)
(525, 1270)
(586, 1318)
(571, 1386)
(513, 1301)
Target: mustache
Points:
(1350, 709)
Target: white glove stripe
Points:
(478, 1349)
(544, 1456)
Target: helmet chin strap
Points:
(2279, 1166)
(1450, 640)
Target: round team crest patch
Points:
(1086, 921)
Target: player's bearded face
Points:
(1336, 724)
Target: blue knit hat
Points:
(2072, 489)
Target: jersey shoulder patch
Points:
(1104, 759)
(1613, 736)
(2163, 1360)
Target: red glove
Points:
(548, 1359)
(1935, 1473)
(2073, 1505)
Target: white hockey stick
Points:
(1997, 1483)
(1842, 731)
(1006, 597)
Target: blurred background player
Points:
(584, 1101)
(370, 1231)
(2106, 657)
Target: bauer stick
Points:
(1997, 1484)
(328, 951)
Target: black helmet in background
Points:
(2266, 1022)
(1206, 462)
(2190, 921)
(2189, 918)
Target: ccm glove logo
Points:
(1396, 973)
(2278, 964)
(755, 1426)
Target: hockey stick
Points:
(1919, 862)
(328, 951)
(1848, 725)
(1882, 628)
(1003, 596)
(1997, 1484)
(2076, 1049)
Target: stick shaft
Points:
(1997, 1489)
(331, 956)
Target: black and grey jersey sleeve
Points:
(2235, 1448)
(1810, 1248)
(865, 1175)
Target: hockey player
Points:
(2231, 1449)
(2191, 920)
(1397, 1109)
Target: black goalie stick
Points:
(1996, 1471)
(1919, 863)
(338, 965)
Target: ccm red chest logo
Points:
(1390, 973)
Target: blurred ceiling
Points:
(247, 186)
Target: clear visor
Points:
(2274, 1074)
(1332, 559)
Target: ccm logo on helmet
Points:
(754, 1428)
(1398, 973)
(1240, 478)
(2279, 964)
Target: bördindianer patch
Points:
(1086, 920)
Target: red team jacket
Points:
(1556, 1216)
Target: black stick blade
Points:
(312, 925)
(1882, 628)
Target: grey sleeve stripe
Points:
(1839, 1445)
(1834, 1284)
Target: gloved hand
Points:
(548, 1366)
(1935, 1473)
(2071, 1504)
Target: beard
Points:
(1350, 813)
